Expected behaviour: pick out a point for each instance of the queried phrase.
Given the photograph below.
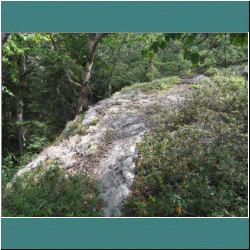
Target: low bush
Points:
(196, 163)
(51, 193)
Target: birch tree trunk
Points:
(21, 85)
(19, 108)
(93, 39)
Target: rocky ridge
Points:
(107, 146)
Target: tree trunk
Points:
(92, 42)
(115, 61)
(5, 38)
(19, 108)
(21, 85)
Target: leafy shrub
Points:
(187, 73)
(196, 164)
(211, 71)
(52, 193)
(9, 167)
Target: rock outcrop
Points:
(107, 145)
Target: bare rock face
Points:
(115, 171)
(107, 145)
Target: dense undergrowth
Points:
(52, 193)
(196, 163)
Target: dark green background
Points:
(125, 232)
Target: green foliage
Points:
(74, 127)
(147, 54)
(39, 134)
(221, 52)
(11, 163)
(80, 117)
(211, 71)
(239, 38)
(192, 54)
(51, 193)
(163, 83)
(9, 167)
(196, 163)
